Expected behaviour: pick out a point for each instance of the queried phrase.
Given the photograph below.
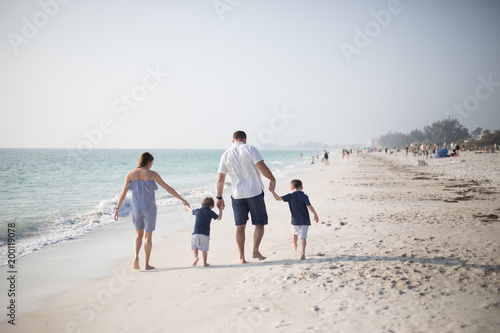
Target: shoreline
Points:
(392, 247)
(67, 217)
(39, 274)
(43, 273)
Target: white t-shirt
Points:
(239, 162)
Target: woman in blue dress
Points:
(142, 181)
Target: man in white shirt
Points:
(244, 164)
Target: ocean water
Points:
(54, 195)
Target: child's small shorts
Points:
(300, 230)
(200, 242)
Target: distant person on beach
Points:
(143, 184)
(298, 202)
(245, 165)
(422, 150)
(200, 238)
(325, 158)
(312, 160)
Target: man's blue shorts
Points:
(254, 205)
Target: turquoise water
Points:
(54, 195)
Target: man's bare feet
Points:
(302, 256)
(206, 264)
(149, 267)
(242, 261)
(136, 264)
(259, 256)
(195, 262)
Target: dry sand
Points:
(399, 248)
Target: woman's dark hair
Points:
(145, 159)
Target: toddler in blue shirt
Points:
(201, 234)
(299, 204)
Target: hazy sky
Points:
(187, 74)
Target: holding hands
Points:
(221, 204)
(272, 184)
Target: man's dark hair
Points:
(296, 184)
(239, 136)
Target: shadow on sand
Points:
(321, 258)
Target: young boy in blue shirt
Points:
(201, 234)
(299, 204)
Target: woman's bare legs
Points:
(148, 246)
(137, 246)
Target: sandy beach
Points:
(399, 248)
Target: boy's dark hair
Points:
(208, 201)
(239, 136)
(296, 184)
